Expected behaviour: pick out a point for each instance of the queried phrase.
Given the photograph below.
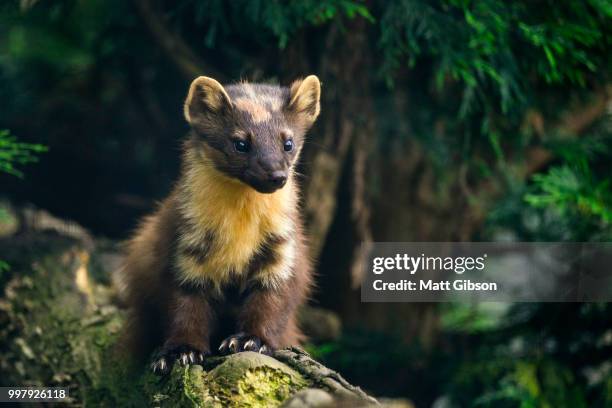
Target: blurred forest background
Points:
(444, 120)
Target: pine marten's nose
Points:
(278, 178)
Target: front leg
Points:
(187, 338)
(279, 284)
(266, 320)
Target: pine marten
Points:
(223, 262)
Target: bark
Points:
(344, 72)
(360, 203)
(60, 322)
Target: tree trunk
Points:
(344, 74)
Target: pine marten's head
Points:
(252, 132)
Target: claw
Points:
(159, 366)
(243, 342)
(183, 355)
(248, 345)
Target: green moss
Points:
(194, 386)
(66, 337)
(251, 380)
(184, 387)
(263, 387)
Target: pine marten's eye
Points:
(242, 146)
(288, 145)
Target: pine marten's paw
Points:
(244, 342)
(185, 355)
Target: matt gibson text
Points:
(434, 286)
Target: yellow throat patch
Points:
(239, 218)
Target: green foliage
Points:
(532, 384)
(476, 71)
(534, 361)
(491, 356)
(62, 35)
(280, 19)
(472, 318)
(573, 192)
(4, 267)
(569, 201)
(13, 153)
(496, 48)
(578, 189)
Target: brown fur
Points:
(218, 256)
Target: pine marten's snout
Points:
(267, 182)
(267, 174)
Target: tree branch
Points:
(573, 123)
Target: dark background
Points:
(441, 121)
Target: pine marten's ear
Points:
(206, 102)
(305, 98)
